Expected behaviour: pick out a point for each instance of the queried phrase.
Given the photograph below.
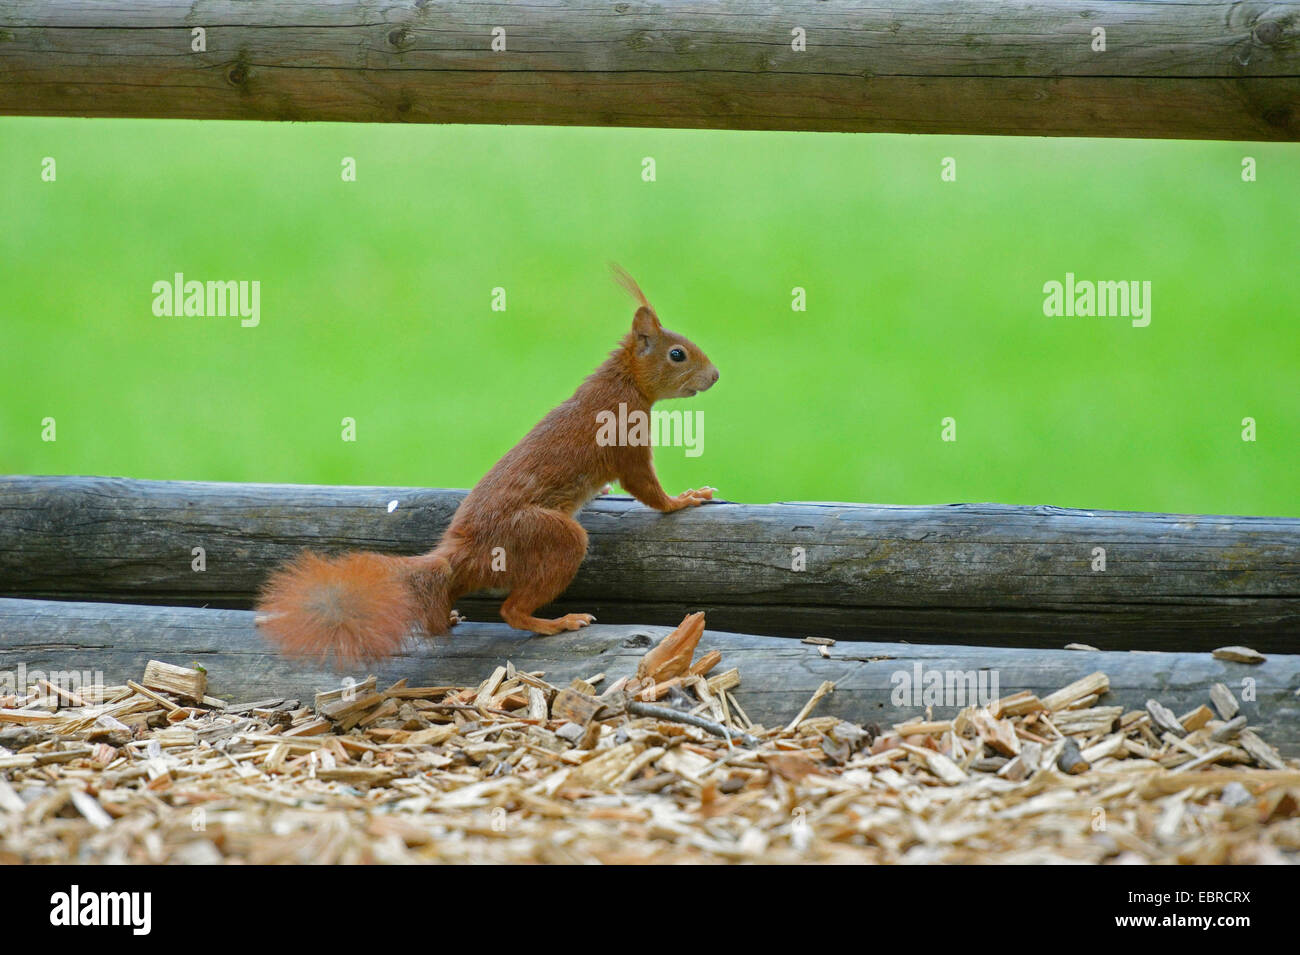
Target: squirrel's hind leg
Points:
(433, 583)
(548, 548)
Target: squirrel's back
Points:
(558, 464)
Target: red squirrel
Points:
(361, 606)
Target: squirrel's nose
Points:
(715, 376)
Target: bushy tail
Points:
(359, 606)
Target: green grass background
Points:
(924, 301)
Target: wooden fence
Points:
(993, 574)
(1195, 70)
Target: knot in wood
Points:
(1268, 32)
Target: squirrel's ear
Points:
(646, 322)
(645, 326)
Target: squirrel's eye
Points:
(677, 354)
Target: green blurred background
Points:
(924, 301)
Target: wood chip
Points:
(826, 687)
(1196, 718)
(489, 687)
(1239, 655)
(1017, 704)
(998, 734)
(1164, 718)
(537, 708)
(1263, 753)
(706, 663)
(939, 764)
(1229, 729)
(1224, 701)
(575, 707)
(1094, 683)
(673, 654)
(185, 682)
(1070, 759)
(90, 808)
(1108, 746)
(920, 727)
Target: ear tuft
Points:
(628, 283)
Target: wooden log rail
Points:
(777, 676)
(1214, 69)
(991, 574)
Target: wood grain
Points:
(1197, 70)
(967, 573)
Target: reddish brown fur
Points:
(359, 600)
(361, 606)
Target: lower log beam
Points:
(880, 683)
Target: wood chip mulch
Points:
(659, 766)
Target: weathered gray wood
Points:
(979, 573)
(778, 676)
(1213, 69)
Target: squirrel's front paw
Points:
(570, 621)
(693, 497)
(456, 617)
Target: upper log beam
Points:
(1195, 70)
(993, 574)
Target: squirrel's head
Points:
(665, 364)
